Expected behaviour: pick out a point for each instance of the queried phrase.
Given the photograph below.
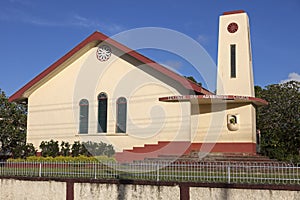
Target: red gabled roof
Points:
(97, 36)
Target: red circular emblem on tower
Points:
(232, 27)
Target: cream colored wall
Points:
(50, 107)
(148, 119)
(54, 113)
(243, 83)
(212, 127)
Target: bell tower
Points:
(235, 76)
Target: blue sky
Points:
(34, 34)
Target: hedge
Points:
(64, 159)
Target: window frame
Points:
(232, 60)
(83, 117)
(121, 118)
(102, 112)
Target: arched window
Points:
(83, 116)
(121, 115)
(102, 113)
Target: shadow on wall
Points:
(209, 108)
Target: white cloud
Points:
(75, 20)
(292, 77)
(80, 21)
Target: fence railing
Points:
(215, 172)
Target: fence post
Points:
(157, 172)
(40, 169)
(228, 173)
(95, 170)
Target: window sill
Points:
(101, 134)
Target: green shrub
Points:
(79, 149)
(99, 149)
(39, 159)
(65, 148)
(50, 148)
(79, 152)
(89, 148)
(24, 151)
(83, 158)
(15, 160)
(293, 158)
(105, 159)
(64, 159)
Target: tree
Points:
(12, 125)
(279, 122)
(191, 78)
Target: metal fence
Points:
(215, 172)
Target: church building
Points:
(104, 91)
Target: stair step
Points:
(165, 151)
(212, 157)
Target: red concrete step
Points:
(153, 151)
(186, 151)
(213, 157)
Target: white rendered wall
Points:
(199, 193)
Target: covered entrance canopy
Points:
(215, 99)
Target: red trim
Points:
(233, 12)
(184, 192)
(182, 148)
(38, 153)
(97, 36)
(70, 190)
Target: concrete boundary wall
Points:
(76, 189)
(11, 189)
(117, 192)
(200, 193)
